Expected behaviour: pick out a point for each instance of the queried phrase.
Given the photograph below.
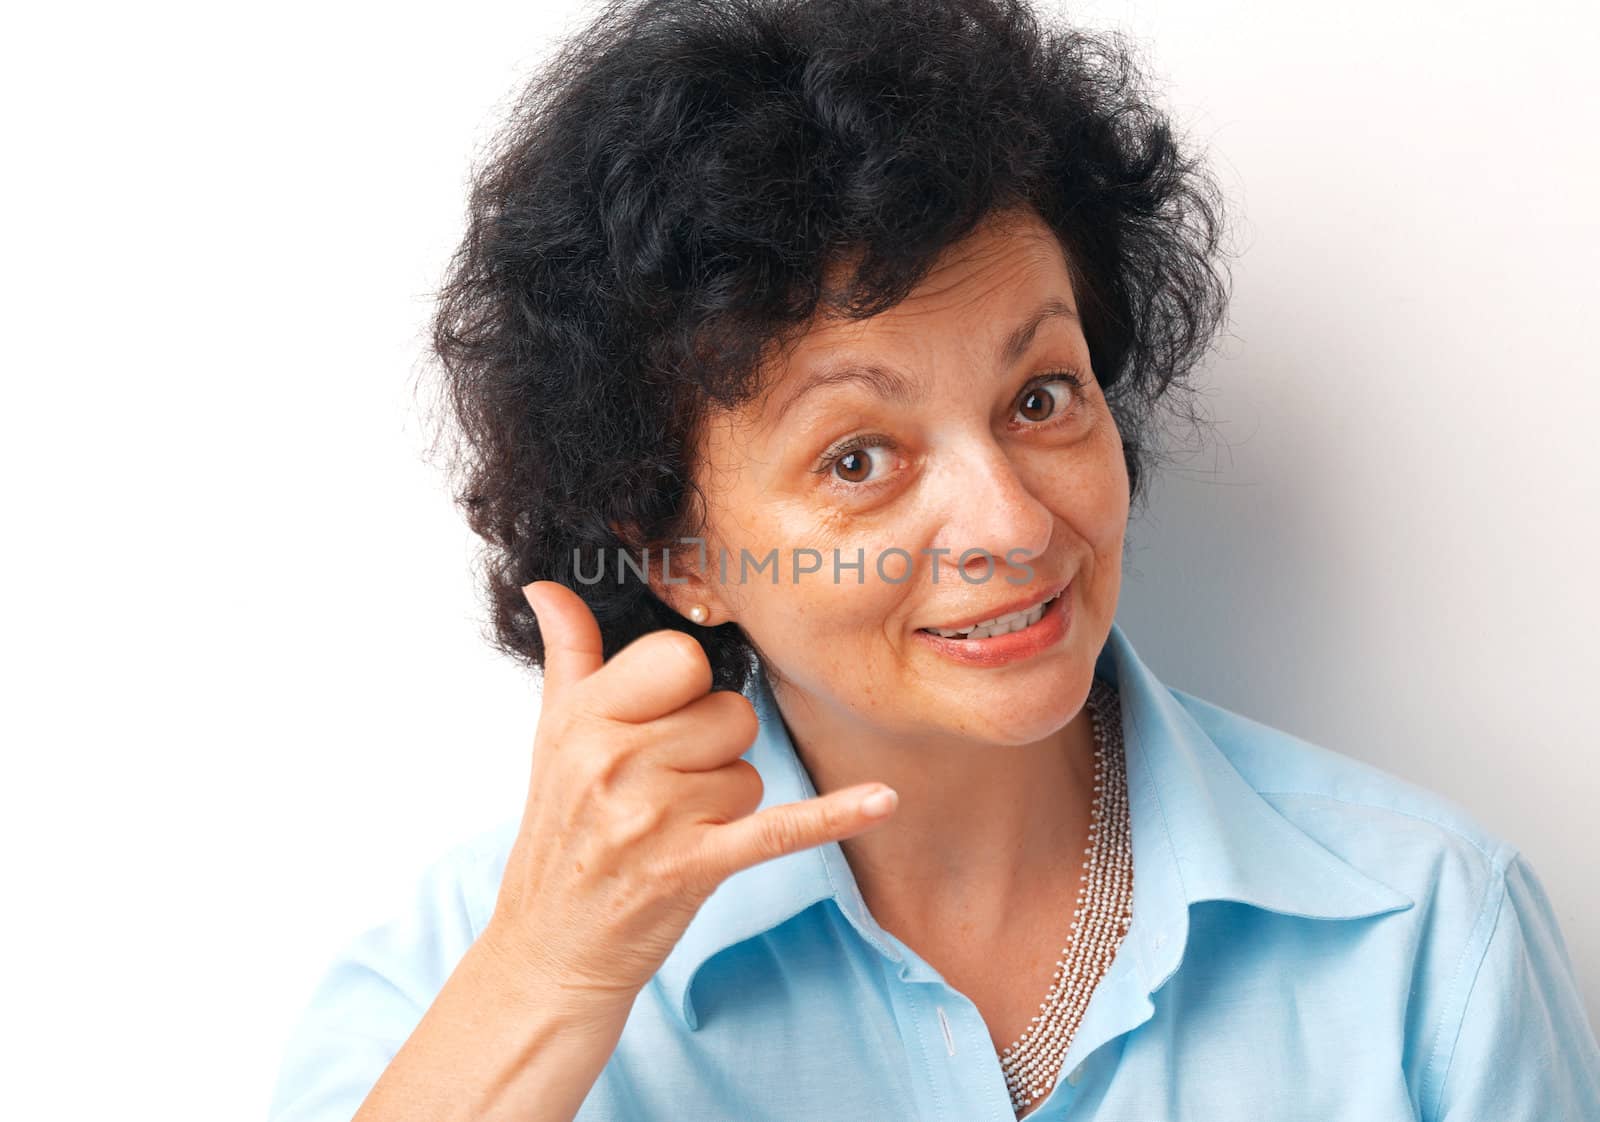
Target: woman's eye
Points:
(864, 459)
(857, 464)
(1040, 403)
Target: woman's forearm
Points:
(497, 1044)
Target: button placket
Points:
(976, 1078)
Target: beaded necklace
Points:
(1105, 909)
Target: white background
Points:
(247, 697)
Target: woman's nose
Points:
(994, 507)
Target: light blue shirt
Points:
(1312, 939)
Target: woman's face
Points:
(966, 438)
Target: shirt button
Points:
(1160, 939)
(1075, 1074)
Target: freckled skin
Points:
(993, 764)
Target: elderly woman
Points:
(806, 356)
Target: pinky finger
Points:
(791, 827)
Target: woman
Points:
(806, 357)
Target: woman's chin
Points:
(1013, 706)
(1030, 713)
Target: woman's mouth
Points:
(1012, 637)
(1000, 625)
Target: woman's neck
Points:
(980, 828)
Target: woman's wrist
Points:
(502, 1041)
(527, 978)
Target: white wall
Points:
(1390, 545)
(247, 695)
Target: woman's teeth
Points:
(1000, 625)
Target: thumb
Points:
(572, 646)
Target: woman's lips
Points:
(997, 650)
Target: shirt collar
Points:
(1200, 832)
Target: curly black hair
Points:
(666, 197)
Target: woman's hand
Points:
(638, 807)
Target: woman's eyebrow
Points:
(1017, 343)
(893, 386)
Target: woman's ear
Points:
(681, 573)
(683, 576)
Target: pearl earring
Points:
(699, 613)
